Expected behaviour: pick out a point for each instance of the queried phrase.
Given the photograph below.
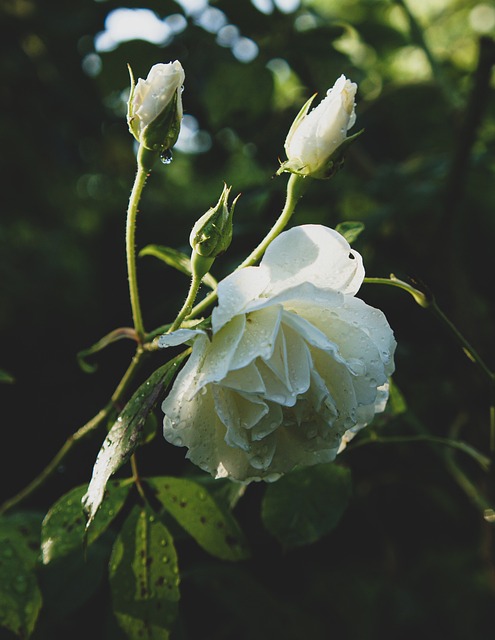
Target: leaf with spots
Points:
(306, 504)
(64, 525)
(126, 433)
(144, 577)
(20, 596)
(213, 527)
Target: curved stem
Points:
(295, 188)
(145, 160)
(187, 306)
(482, 460)
(430, 302)
(73, 439)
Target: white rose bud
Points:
(316, 141)
(295, 364)
(154, 110)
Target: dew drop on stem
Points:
(166, 156)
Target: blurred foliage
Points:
(412, 555)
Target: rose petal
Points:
(316, 254)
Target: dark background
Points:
(413, 555)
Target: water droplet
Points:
(349, 422)
(372, 382)
(203, 391)
(165, 559)
(178, 442)
(356, 366)
(163, 543)
(202, 495)
(166, 156)
(152, 518)
(256, 462)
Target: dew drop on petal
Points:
(256, 462)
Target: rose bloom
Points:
(315, 136)
(294, 366)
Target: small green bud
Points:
(154, 109)
(212, 233)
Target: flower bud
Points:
(154, 109)
(212, 233)
(316, 141)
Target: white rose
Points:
(315, 136)
(294, 366)
(155, 106)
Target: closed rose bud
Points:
(211, 235)
(316, 140)
(154, 110)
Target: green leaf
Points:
(144, 577)
(69, 581)
(213, 528)
(350, 230)
(6, 377)
(224, 491)
(113, 336)
(126, 433)
(20, 596)
(306, 504)
(63, 528)
(396, 402)
(177, 260)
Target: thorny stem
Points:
(80, 434)
(428, 301)
(187, 306)
(145, 160)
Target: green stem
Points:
(145, 161)
(187, 306)
(430, 303)
(136, 477)
(482, 460)
(295, 188)
(73, 439)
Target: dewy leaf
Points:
(306, 504)
(20, 596)
(198, 513)
(177, 260)
(144, 577)
(64, 525)
(350, 230)
(125, 435)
